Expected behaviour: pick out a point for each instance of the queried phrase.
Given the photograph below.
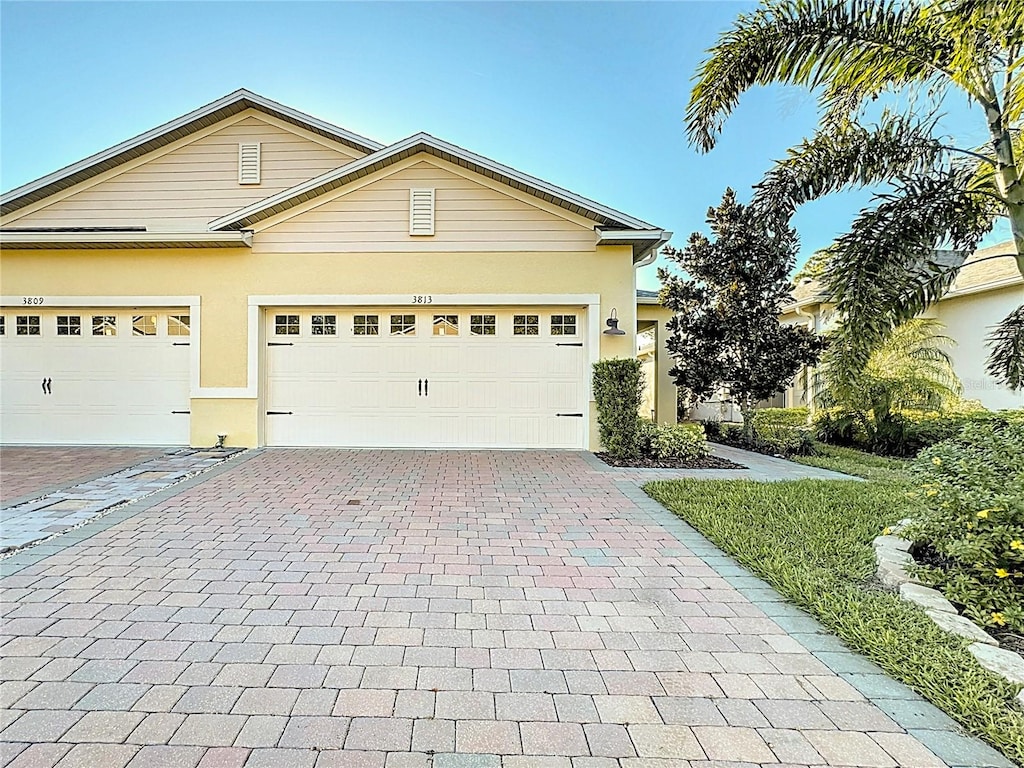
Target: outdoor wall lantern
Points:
(613, 325)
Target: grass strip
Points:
(811, 540)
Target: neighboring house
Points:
(986, 290)
(250, 271)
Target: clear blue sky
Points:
(587, 95)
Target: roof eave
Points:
(84, 240)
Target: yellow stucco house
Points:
(250, 271)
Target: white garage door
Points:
(99, 376)
(456, 377)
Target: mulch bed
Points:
(647, 462)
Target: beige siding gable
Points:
(472, 213)
(184, 187)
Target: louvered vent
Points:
(249, 163)
(421, 211)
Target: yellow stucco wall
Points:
(664, 388)
(224, 278)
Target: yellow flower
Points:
(970, 526)
(1002, 573)
(997, 618)
(932, 492)
(936, 461)
(984, 513)
(911, 495)
(1017, 544)
(887, 530)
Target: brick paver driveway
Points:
(401, 609)
(27, 472)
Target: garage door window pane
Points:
(27, 325)
(69, 325)
(482, 325)
(446, 325)
(563, 325)
(403, 325)
(325, 325)
(366, 325)
(104, 325)
(526, 325)
(178, 325)
(286, 325)
(143, 325)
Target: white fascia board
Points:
(645, 242)
(179, 122)
(240, 239)
(994, 285)
(323, 183)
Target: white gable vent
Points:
(421, 211)
(249, 163)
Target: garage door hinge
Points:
(180, 344)
(181, 411)
(569, 344)
(280, 344)
(577, 415)
(279, 413)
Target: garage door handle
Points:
(569, 344)
(576, 415)
(419, 387)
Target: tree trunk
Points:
(1008, 176)
(747, 412)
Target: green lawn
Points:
(811, 540)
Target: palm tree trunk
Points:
(1008, 176)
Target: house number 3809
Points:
(422, 299)
(34, 300)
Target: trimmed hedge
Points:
(618, 390)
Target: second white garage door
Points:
(438, 378)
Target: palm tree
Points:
(909, 371)
(889, 266)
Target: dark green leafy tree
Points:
(934, 196)
(725, 332)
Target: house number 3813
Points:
(422, 299)
(33, 300)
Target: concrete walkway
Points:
(48, 513)
(429, 609)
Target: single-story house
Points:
(248, 272)
(987, 288)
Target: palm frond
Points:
(1006, 361)
(886, 269)
(849, 154)
(856, 48)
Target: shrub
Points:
(618, 389)
(903, 433)
(784, 440)
(679, 441)
(780, 417)
(973, 491)
(648, 432)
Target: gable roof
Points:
(415, 144)
(162, 135)
(985, 269)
